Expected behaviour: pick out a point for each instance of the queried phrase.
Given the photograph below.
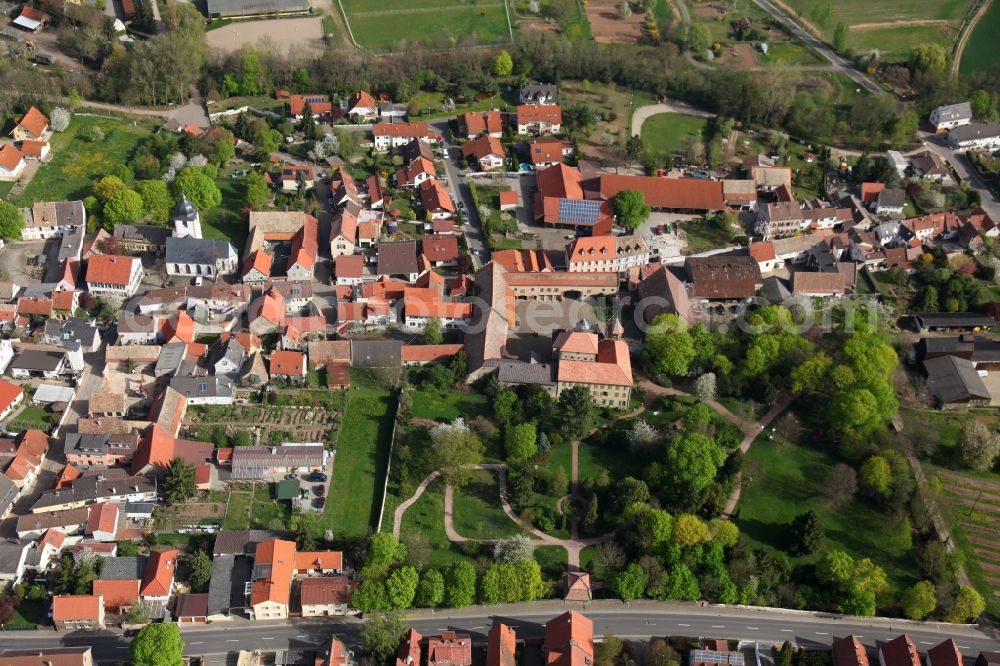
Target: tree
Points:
(430, 590)
(122, 206)
(876, 475)
(257, 192)
(520, 442)
(516, 549)
(699, 38)
(634, 148)
(806, 533)
(460, 585)
(631, 582)
(841, 484)
(11, 221)
(660, 653)
(785, 654)
(840, 34)
(627, 492)
(158, 645)
(384, 551)
(96, 134)
(199, 571)
(898, 539)
(726, 533)
(692, 461)
(858, 602)
(381, 633)
(690, 530)
(979, 446)
(308, 122)
(984, 105)
(631, 208)
(920, 600)
(156, 200)
(402, 586)
(704, 387)
(670, 345)
(107, 186)
(575, 412)
(179, 485)
(503, 64)
(505, 406)
(201, 190)
(136, 614)
(642, 436)
(967, 605)
(929, 58)
(432, 332)
(59, 119)
(371, 596)
(455, 447)
(682, 584)
(608, 651)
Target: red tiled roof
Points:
(33, 148)
(34, 306)
(110, 269)
(500, 646)
(320, 104)
(674, 193)
(103, 517)
(10, 156)
(305, 244)
(63, 300)
(414, 130)
(547, 150)
(34, 121)
(762, 252)
(8, 394)
(592, 248)
(276, 587)
(260, 260)
(434, 197)
(870, 192)
(577, 342)
(613, 366)
(520, 261)
(66, 476)
(429, 353)
(117, 593)
(203, 474)
(482, 147)
(440, 247)
(449, 649)
(361, 99)
(319, 559)
(33, 14)
(569, 640)
(291, 363)
(76, 607)
(945, 653)
(349, 266)
(325, 591)
(52, 537)
(160, 569)
(441, 309)
(539, 113)
(479, 122)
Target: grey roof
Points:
(203, 251)
(776, 290)
(143, 233)
(534, 92)
(974, 131)
(77, 329)
(892, 197)
(11, 551)
(231, 350)
(952, 320)
(397, 258)
(93, 487)
(952, 112)
(244, 542)
(520, 372)
(418, 148)
(139, 508)
(38, 360)
(255, 7)
(8, 493)
(213, 386)
(250, 462)
(376, 354)
(953, 379)
(71, 244)
(184, 210)
(124, 568)
(171, 357)
(227, 588)
(92, 444)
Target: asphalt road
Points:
(960, 163)
(838, 63)
(640, 620)
(460, 192)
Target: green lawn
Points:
(477, 512)
(362, 456)
(853, 12)
(29, 613)
(702, 236)
(981, 51)
(896, 42)
(789, 53)
(448, 404)
(267, 513)
(664, 132)
(77, 161)
(552, 560)
(237, 511)
(423, 524)
(781, 480)
(448, 22)
(225, 221)
(5, 188)
(34, 416)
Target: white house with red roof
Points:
(11, 395)
(11, 162)
(113, 275)
(539, 119)
(362, 106)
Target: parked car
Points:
(317, 476)
(291, 476)
(319, 490)
(319, 502)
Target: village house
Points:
(78, 611)
(486, 153)
(113, 275)
(53, 218)
(319, 105)
(295, 177)
(436, 200)
(344, 231)
(32, 126)
(616, 254)
(950, 116)
(416, 172)
(289, 366)
(11, 162)
(362, 106)
(472, 124)
(539, 119)
(975, 136)
(538, 93)
(325, 596)
(394, 135)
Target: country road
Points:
(838, 63)
(638, 620)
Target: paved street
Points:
(839, 63)
(960, 163)
(460, 192)
(640, 620)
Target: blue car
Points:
(317, 476)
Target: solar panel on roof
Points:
(577, 211)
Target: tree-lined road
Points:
(640, 620)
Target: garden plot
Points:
(975, 504)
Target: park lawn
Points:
(383, 32)
(268, 513)
(423, 522)
(980, 51)
(359, 468)
(237, 511)
(782, 480)
(448, 404)
(789, 53)
(663, 133)
(476, 510)
(896, 42)
(77, 162)
(552, 560)
(224, 222)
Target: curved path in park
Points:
(651, 393)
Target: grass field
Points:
(789, 53)
(449, 404)
(444, 23)
(477, 513)
(224, 222)
(980, 51)
(362, 456)
(782, 480)
(77, 161)
(237, 510)
(895, 43)
(665, 132)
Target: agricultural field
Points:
(78, 160)
(892, 26)
(445, 23)
(980, 51)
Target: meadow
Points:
(981, 51)
(445, 23)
